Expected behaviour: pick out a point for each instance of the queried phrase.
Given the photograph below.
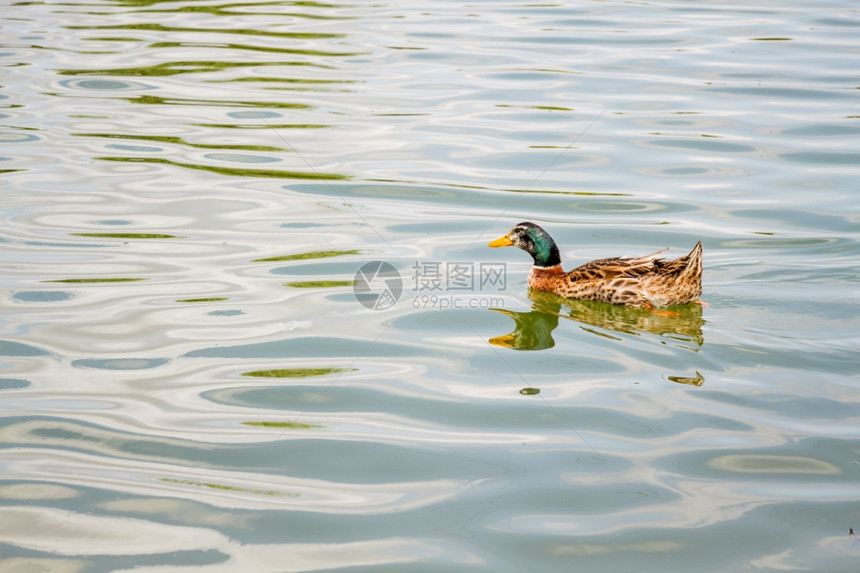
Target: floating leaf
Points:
(697, 380)
(530, 391)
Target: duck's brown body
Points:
(647, 281)
(643, 281)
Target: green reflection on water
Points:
(95, 280)
(228, 487)
(242, 31)
(319, 284)
(224, 11)
(287, 80)
(253, 48)
(125, 235)
(533, 329)
(309, 255)
(288, 425)
(296, 372)
(157, 100)
(230, 171)
(262, 126)
(212, 299)
(540, 107)
(174, 68)
(660, 133)
(576, 193)
(179, 141)
(111, 39)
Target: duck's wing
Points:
(610, 268)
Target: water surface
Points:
(189, 381)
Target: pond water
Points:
(250, 321)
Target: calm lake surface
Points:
(201, 367)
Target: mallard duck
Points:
(647, 281)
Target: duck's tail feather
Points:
(694, 261)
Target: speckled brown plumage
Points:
(647, 281)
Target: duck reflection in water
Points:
(533, 329)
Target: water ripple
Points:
(188, 377)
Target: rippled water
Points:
(189, 381)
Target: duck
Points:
(648, 281)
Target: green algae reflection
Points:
(265, 49)
(309, 255)
(238, 31)
(96, 280)
(286, 425)
(262, 126)
(228, 487)
(173, 140)
(158, 100)
(175, 68)
(230, 171)
(296, 372)
(126, 235)
(319, 284)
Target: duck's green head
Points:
(535, 241)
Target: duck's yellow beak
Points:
(501, 242)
